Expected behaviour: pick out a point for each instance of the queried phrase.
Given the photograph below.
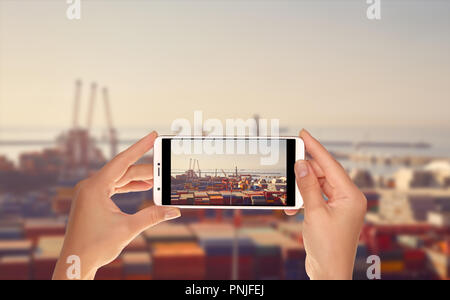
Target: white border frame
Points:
(157, 171)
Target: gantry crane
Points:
(76, 108)
(112, 132)
(91, 106)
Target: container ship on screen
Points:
(191, 188)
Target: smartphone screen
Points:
(228, 172)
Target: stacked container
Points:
(168, 233)
(16, 267)
(139, 244)
(439, 262)
(268, 253)
(137, 266)
(36, 228)
(45, 256)
(11, 232)
(291, 229)
(361, 265)
(273, 246)
(112, 271)
(15, 247)
(178, 261)
(217, 242)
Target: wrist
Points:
(331, 275)
(75, 264)
(340, 269)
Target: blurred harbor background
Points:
(407, 225)
(375, 93)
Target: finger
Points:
(332, 170)
(117, 167)
(290, 212)
(136, 173)
(317, 169)
(134, 186)
(309, 186)
(327, 188)
(151, 216)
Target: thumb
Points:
(309, 186)
(152, 216)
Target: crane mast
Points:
(91, 106)
(76, 109)
(112, 133)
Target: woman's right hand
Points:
(331, 228)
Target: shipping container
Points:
(11, 232)
(138, 244)
(137, 266)
(439, 263)
(45, 256)
(16, 267)
(217, 241)
(178, 261)
(36, 228)
(268, 253)
(169, 232)
(112, 271)
(15, 247)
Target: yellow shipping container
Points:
(392, 266)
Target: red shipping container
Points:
(379, 241)
(220, 267)
(139, 244)
(36, 228)
(45, 256)
(415, 259)
(43, 267)
(138, 277)
(184, 260)
(15, 268)
(112, 271)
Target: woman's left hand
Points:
(98, 230)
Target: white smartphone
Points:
(227, 172)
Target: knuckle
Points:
(363, 203)
(82, 185)
(156, 215)
(308, 185)
(119, 156)
(360, 200)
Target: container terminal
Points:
(407, 224)
(191, 188)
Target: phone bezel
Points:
(161, 163)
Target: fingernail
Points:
(304, 131)
(171, 213)
(301, 169)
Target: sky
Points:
(268, 157)
(307, 63)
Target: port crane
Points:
(77, 144)
(223, 172)
(92, 99)
(76, 108)
(191, 171)
(198, 168)
(112, 132)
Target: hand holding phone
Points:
(97, 230)
(331, 228)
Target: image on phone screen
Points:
(243, 178)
